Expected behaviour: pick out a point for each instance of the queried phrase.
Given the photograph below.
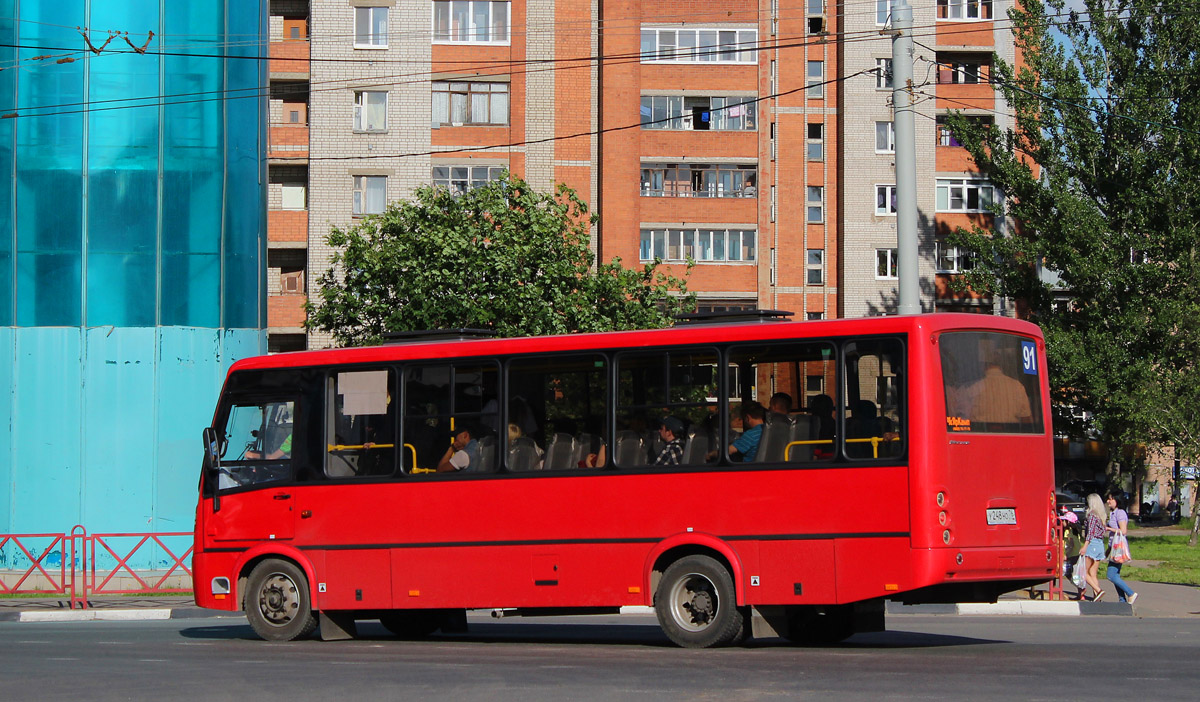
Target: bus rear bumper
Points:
(980, 574)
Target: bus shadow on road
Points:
(601, 635)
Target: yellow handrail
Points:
(874, 440)
(352, 447)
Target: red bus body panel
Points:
(824, 534)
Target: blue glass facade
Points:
(132, 251)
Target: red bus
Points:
(766, 476)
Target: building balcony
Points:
(286, 311)
(289, 58)
(288, 142)
(287, 228)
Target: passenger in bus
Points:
(998, 398)
(463, 454)
(672, 432)
(821, 408)
(745, 447)
(781, 403)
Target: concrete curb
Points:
(1017, 607)
(112, 615)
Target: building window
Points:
(885, 264)
(370, 111)
(294, 196)
(883, 74)
(814, 267)
(885, 200)
(964, 10)
(816, 143)
(470, 103)
(470, 21)
(962, 195)
(816, 16)
(370, 195)
(952, 259)
(699, 113)
(963, 69)
(816, 213)
(370, 27)
(814, 316)
(816, 79)
(698, 180)
(726, 306)
(700, 45)
(701, 245)
(460, 179)
(946, 137)
(883, 12)
(885, 138)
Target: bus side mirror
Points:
(212, 449)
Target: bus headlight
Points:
(941, 499)
(942, 518)
(946, 537)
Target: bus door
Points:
(997, 471)
(255, 476)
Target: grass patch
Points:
(1180, 564)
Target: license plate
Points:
(1004, 515)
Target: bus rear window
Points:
(992, 382)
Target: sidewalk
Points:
(1155, 600)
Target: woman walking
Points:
(1117, 520)
(1093, 538)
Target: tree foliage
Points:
(1102, 171)
(502, 257)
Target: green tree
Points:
(501, 257)
(1102, 171)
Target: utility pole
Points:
(907, 251)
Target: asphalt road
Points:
(604, 658)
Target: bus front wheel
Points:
(696, 604)
(277, 602)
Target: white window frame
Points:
(293, 196)
(362, 111)
(814, 262)
(724, 110)
(660, 179)
(965, 188)
(883, 74)
(461, 177)
(683, 45)
(960, 261)
(815, 89)
(814, 208)
(883, 13)
(890, 135)
(497, 99)
(365, 187)
(371, 39)
(889, 259)
(891, 198)
(474, 30)
(811, 142)
(699, 244)
(963, 9)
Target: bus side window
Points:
(361, 424)
(440, 403)
(778, 377)
(874, 379)
(661, 389)
(557, 413)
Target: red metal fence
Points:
(70, 564)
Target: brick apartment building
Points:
(753, 137)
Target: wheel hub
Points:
(278, 600)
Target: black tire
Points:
(412, 623)
(696, 604)
(277, 601)
(820, 626)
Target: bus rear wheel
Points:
(277, 601)
(696, 604)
